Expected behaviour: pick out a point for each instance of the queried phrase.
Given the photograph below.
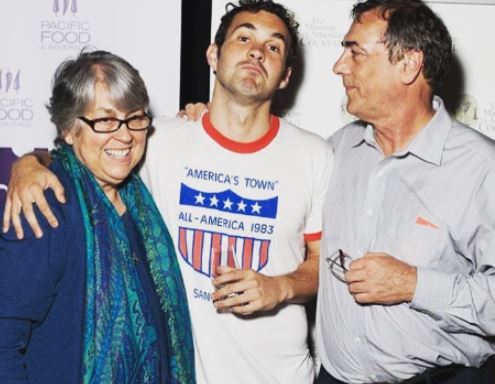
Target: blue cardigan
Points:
(42, 290)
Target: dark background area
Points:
(195, 38)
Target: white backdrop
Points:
(319, 103)
(36, 35)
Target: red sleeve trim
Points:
(235, 146)
(312, 237)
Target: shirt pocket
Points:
(413, 234)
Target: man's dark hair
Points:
(412, 25)
(254, 6)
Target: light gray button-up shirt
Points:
(432, 206)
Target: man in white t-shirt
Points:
(242, 192)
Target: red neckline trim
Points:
(236, 146)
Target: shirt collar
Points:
(428, 145)
(367, 135)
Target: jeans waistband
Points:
(433, 374)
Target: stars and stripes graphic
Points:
(203, 250)
(228, 201)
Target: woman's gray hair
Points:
(74, 84)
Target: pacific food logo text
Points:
(65, 31)
(15, 110)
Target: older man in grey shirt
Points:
(407, 276)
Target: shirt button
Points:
(373, 377)
(369, 213)
(357, 339)
(380, 173)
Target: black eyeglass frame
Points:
(92, 122)
(337, 264)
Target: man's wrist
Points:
(38, 157)
(411, 285)
(286, 288)
(27, 159)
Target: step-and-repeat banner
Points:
(37, 35)
(317, 99)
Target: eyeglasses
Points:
(338, 263)
(112, 124)
(351, 43)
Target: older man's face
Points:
(370, 80)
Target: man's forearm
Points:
(43, 157)
(302, 284)
(258, 292)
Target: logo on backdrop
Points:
(487, 121)
(66, 31)
(15, 109)
(10, 80)
(479, 116)
(467, 111)
(319, 33)
(60, 7)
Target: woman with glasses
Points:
(99, 299)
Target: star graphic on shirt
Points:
(227, 204)
(255, 208)
(199, 198)
(241, 206)
(213, 201)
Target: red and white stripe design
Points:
(202, 249)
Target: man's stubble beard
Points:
(245, 94)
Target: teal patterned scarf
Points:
(120, 345)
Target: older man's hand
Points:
(378, 278)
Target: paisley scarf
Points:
(120, 342)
